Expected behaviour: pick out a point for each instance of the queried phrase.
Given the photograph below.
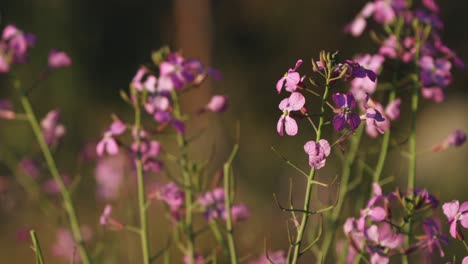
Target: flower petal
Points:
(291, 126)
(296, 101)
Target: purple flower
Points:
(217, 104)
(176, 72)
(360, 87)
(65, 245)
(143, 80)
(382, 237)
(239, 213)
(432, 238)
(30, 168)
(213, 202)
(110, 173)
(318, 153)
(59, 59)
(357, 26)
(389, 47)
(6, 110)
(108, 143)
(51, 186)
(356, 70)
(456, 139)
(384, 12)
(104, 218)
(156, 104)
(431, 5)
(294, 103)
(51, 128)
(199, 259)
(375, 121)
(346, 103)
(435, 75)
(172, 195)
(456, 213)
(276, 257)
(290, 80)
(15, 44)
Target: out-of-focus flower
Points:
(276, 257)
(432, 238)
(199, 259)
(51, 186)
(144, 80)
(294, 103)
(14, 46)
(30, 167)
(51, 128)
(104, 218)
(108, 142)
(172, 195)
(6, 108)
(318, 153)
(59, 59)
(360, 87)
(455, 139)
(456, 213)
(65, 245)
(290, 80)
(175, 72)
(110, 173)
(345, 103)
(435, 75)
(217, 104)
(239, 213)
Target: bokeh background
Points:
(252, 42)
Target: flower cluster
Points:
(379, 229)
(213, 206)
(421, 45)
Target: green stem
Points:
(310, 182)
(189, 199)
(228, 205)
(141, 187)
(346, 173)
(412, 138)
(36, 247)
(67, 201)
(384, 147)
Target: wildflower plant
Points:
(150, 155)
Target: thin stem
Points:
(346, 173)
(228, 205)
(305, 216)
(66, 197)
(189, 199)
(36, 247)
(384, 147)
(141, 186)
(412, 137)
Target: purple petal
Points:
(340, 100)
(179, 126)
(339, 122)
(350, 101)
(353, 121)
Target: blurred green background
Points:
(253, 42)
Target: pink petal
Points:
(463, 207)
(298, 64)
(291, 126)
(326, 146)
(296, 101)
(393, 109)
(453, 229)
(112, 147)
(280, 126)
(373, 233)
(377, 214)
(283, 104)
(450, 209)
(100, 147)
(280, 84)
(310, 147)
